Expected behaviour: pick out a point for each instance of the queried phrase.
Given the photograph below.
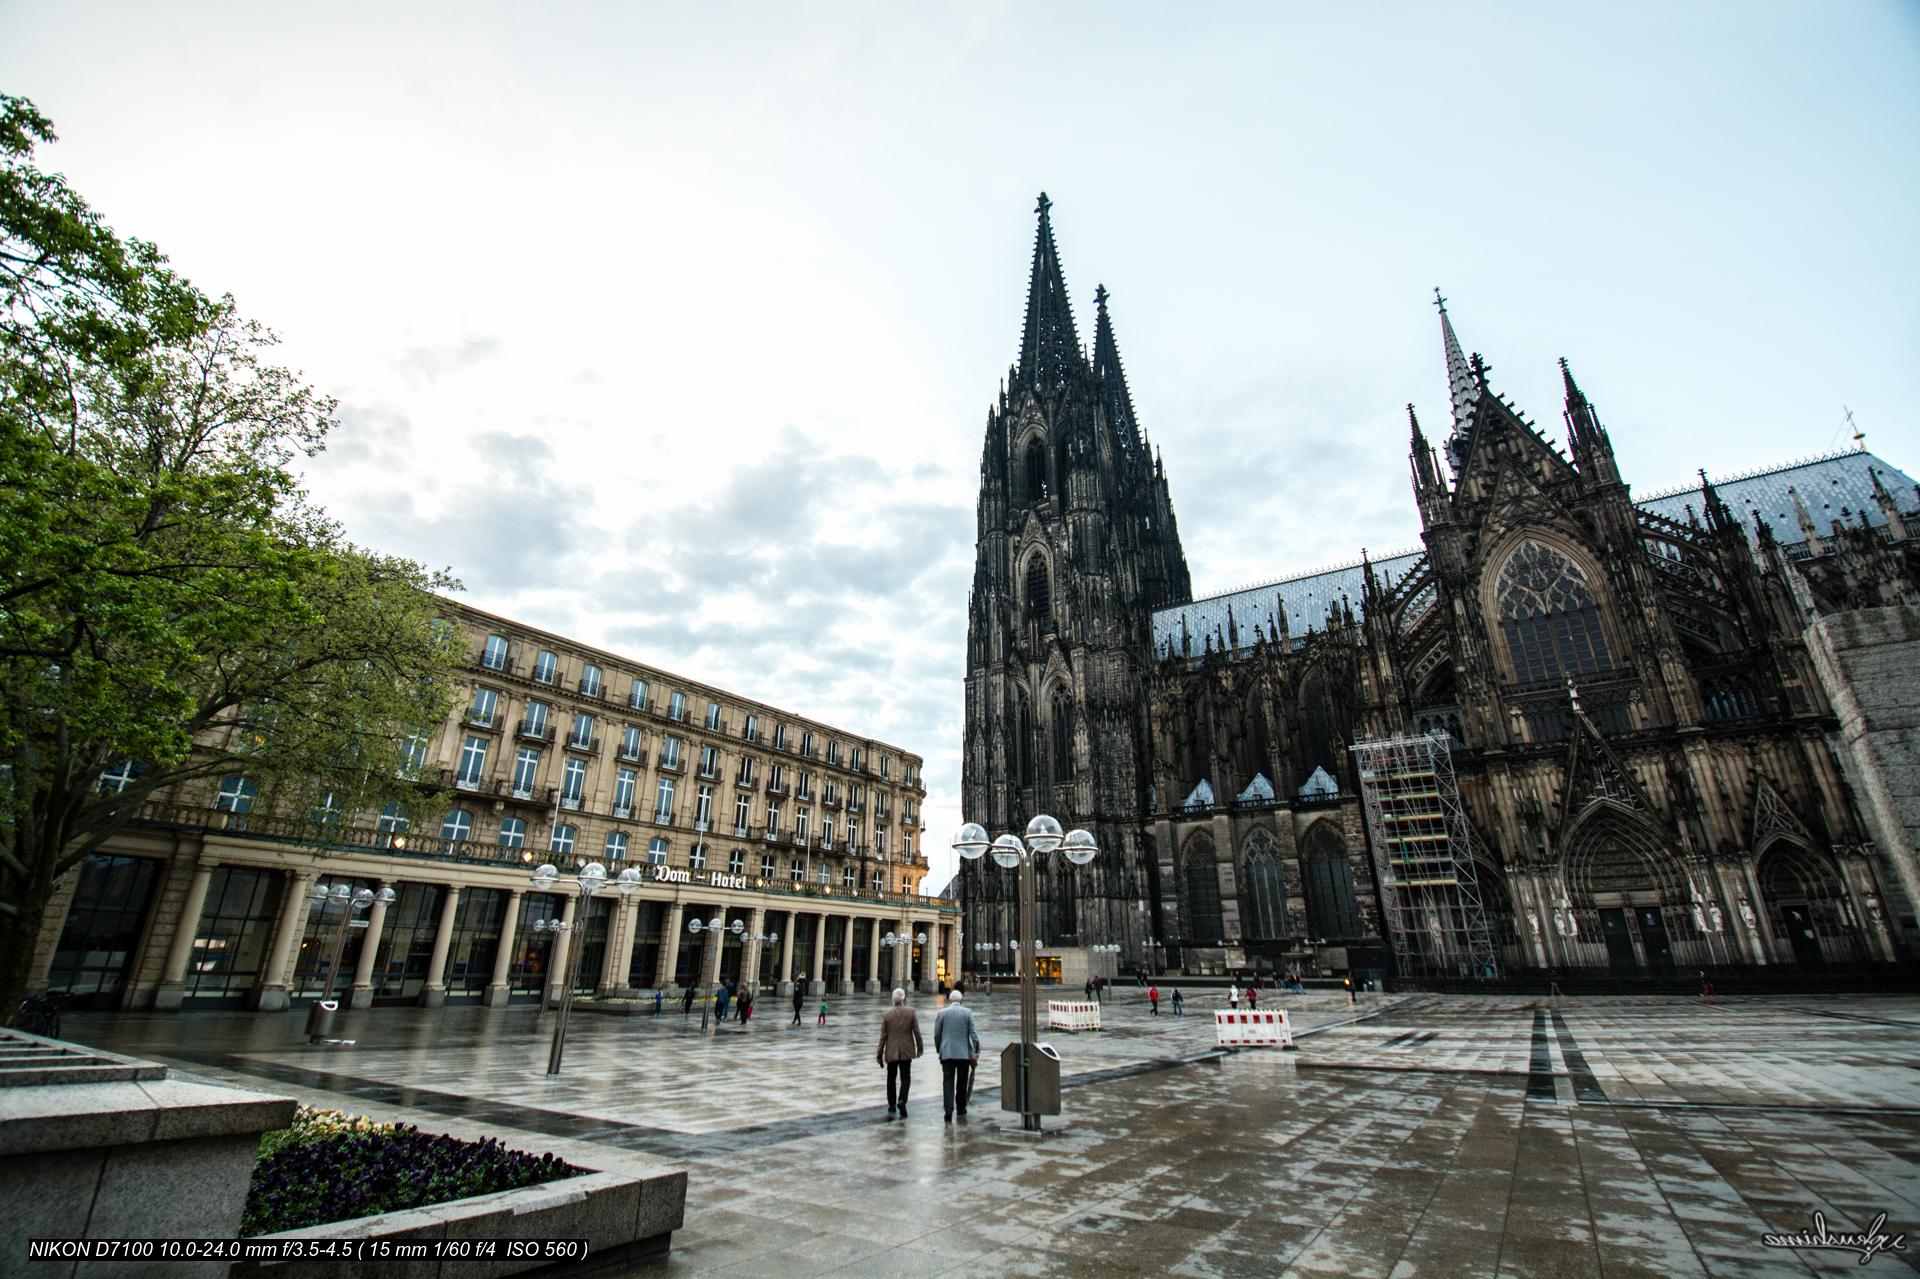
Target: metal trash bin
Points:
(320, 1019)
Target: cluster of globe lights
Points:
(1043, 836)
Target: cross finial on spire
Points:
(1044, 205)
(1438, 300)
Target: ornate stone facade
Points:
(1644, 745)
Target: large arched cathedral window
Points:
(1036, 471)
(1550, 619)
(1062, 726)
(1039, 593)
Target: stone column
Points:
(173, 978)
(434, 993)
(669, 947)
(786, 955)
(750, 949)
(361, 996)
(560, 954)
(873, 957)
(496, 996)
(929, 957)
(818, 984)
(271, 995)
(618, 961)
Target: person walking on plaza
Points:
(746, 1002)
(823, 1012)
(1089, 990)
(900, 1043)
(1253, 998)
(1233, 995)
(1178, 1011)
(686, 1004)
(720, 1002)
(799, 996)
(1153, 1000)
(957, 1044)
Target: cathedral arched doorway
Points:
(1629, 897)
(1806, 904)
(1200, 889)
(1498, 904)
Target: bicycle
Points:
(38, 1015)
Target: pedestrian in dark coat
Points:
(746, 1002)
(686, 1005)
(799, 996)
(900, 1043)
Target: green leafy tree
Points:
(172, 608)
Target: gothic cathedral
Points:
(1645, 747)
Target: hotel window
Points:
(713, 715)
(545, 667)
(853, 758)
(457, 824)
(677, 706)
(773, 819)
(562, 840)
(801, 820)
(583, 732)
(880, 840)
(536, 719)
(709, 761)
(392, 819)
(525, 768)
(485, 703)
(513, 832)
(853, 835)
(886, 768)
(803, 789)
(637, 696)
(829, 792)
(745, 775)
(703, 809)
(776, 778)
(906, 811)
(780, 736)
(833, 752)
(657, 851)
(623, 794)
(116, 779)
(737, 862)
(327, 810)
(590, 681)
(906, 845)
(766, 865)
(630, 744)
(826, 830)
(826, 876)
(616, 846)
(494, 657)
(796, 871)
(742, 815)
(806, 745)
(574, 786)
(879, 882)
(752, 731)
(663, 801)
(697, 857)
(670, 752)
(848, 877)
(473, 762)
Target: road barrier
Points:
(1072, 1015)
(1253, 1029)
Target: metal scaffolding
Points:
(1423, 852)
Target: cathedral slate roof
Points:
(1836, 486)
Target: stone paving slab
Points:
(1442, 1136)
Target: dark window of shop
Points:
(832, 969)
(95, 952)
(803, 947)
(588, 948)
(236, 926)
(645, 961)
(406, 941)
(1332, 911)
(532, 949)
(474, 942)
(862, 950)
(321, 934)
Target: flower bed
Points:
(331, 1167)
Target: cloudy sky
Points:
(674, 326)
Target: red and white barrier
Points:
(1253, 1029)
(1072, 1015)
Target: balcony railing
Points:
(746, 783)
(588, 745)
(570, 802)
(635, 756)
(503, 664)
(640, 704)
(624, 812)
(749, 734)
(677, 715)
(662, 817)
(541, 795)
(741, 832)
(534, 732)
(476, 719)
(672, 765)
(589, 688)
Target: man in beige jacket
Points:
(900, 1043)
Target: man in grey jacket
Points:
(958, 1046)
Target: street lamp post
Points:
(1020, 1064)
(591, 879)
(320, 1018)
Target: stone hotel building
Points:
(806, 834)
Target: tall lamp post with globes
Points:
(1029, 1077)
(591, 879)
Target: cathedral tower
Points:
(1076, 546)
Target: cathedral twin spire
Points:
(1050, 350)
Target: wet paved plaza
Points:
(1433, 1136)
